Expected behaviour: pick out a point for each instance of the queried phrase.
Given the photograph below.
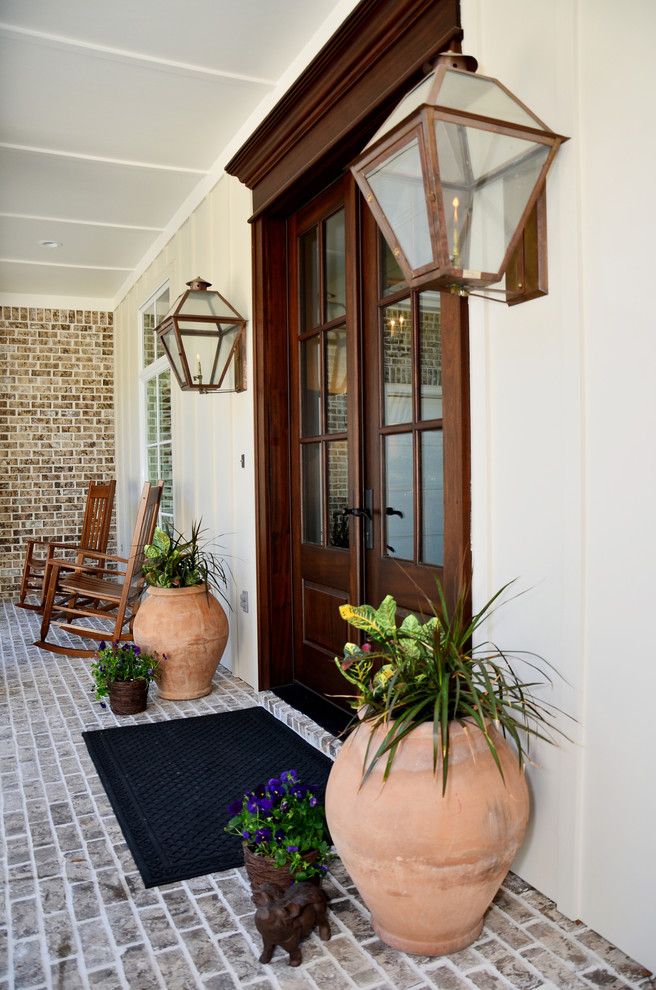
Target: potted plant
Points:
(427, 803)
(122, 672)
(180, 616)
(282, 825)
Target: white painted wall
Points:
(563, 464)
(564, 470)
(210, 432)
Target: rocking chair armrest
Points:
(63, 546)
(55, 566)
(102, 556)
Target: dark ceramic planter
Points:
(128, 697)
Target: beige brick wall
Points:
(56, 425)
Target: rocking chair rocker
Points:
(97, 591)
(94, 536)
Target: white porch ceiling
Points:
(111, 115)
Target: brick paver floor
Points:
(74, 912)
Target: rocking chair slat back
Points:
(144, 528)
(94, 536)
(97, 516)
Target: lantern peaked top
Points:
(452, 175)
(203, 333)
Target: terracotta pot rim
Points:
(195, 589)
(423, 729)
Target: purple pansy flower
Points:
(313, 802)
(246, 834)
(253, 806)
(292, 849)
(102, 645)
(234, 808)
(266, 804)
(262, 834)
(289, 776)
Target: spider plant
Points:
(429, 671)
(172, 561)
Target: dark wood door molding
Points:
(329, 113)
(304, 145)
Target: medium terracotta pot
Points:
(427, 866)
(191, 629)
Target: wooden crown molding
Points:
(380, 47)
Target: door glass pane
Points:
(336, 381)
(337, 493)
(335, 267)
(309, 262)
(390, 271)
(312, 493)
(398, 186)
(399, 522)
(397, 362)
(430, 352)
(311, 387)
(432, 497)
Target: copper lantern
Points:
(203, 336)
(453, 174)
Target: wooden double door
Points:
(378, 430)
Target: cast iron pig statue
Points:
(285, 917)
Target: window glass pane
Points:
(312, 493)
(432, 497)
(311, 386)
(336, 382)
(335, 267)
(166, 475)
(397, 362)
(153, 465)
(392, 279)
(164, 387)
(430, 350)
(398, 186)
(151, 411)
(148, 324)
(398, 507)
(338, 493)
(309, 262)
(161, 309)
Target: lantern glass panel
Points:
(487, 179)
(229, 334)
(476, 94)
(202, 350)
(200, 302)
(414, 99)
(170, 342)
(398, 185)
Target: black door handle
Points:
(389, 511)
(351, 510)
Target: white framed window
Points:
(156, 431)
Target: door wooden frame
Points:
(304, 144)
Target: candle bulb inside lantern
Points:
(199, 370)
(456, 248)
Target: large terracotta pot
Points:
(427, 866)
(191, 629)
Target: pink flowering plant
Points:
(284, 820)
(121, 662)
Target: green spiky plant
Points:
(430, 672)
(172, 561)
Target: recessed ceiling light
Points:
(50, 244)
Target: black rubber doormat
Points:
(169, 784)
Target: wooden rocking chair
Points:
(97, 591)
(94, 536)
